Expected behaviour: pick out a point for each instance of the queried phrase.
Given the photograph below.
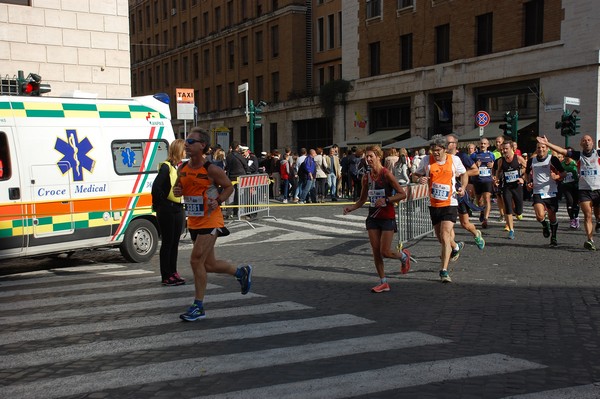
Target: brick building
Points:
(415, 67)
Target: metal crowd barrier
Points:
(253, 198)
(414, 221)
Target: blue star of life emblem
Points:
(75, 158)
(128, 157)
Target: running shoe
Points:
(484, 224)
(577, 223)
(589, 244)
(520, 217)
(172, 282)
(481, 216)
(479, 241)
(573, 224)
(178, 277)
(383, 287)
(511, 234)
(193, 313)
(506, 228)
(406, 263)
(501, 218)
(597, 227)
(553, 242)
(445, 277)
(246, 279)
(546, 228)
(455, 254)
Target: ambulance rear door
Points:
(12, 209)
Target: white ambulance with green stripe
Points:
(77, 174)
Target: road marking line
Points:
(246, 331)
(139, 322)
(202, 366)
(317, 227)
(388, 378)
(119, 308)
(77, 287)
(358, 225)
(591, 391)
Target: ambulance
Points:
(77, 174)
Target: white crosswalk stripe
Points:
(86, 340)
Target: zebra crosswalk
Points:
(65, 336)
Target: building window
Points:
(340, 35)
(159, 46)
(166, 39)
(406, 52)
(231, 92)
(205, 23)
(218, 19)
(196, 65)
(176, 72)
(184, 32)
(275, 41)
(534, 22)
(320, 34)
(273, 135)
(230, 13)
(183, 5)
(442, 43)
(390, 116)
(207, 99)
(194, 28)
(330, 31)
(157, 75)
(166, 74)
(373, 8)
(174, 37)
(244, 7)
(219, 94)
(218, 58)
(150, 81)
(206, 58)
(321, 77)
(244, 50)
(275, 86)
(165, 8)
(155, 11)
(258, 46)
(231, 55)
(405, 4)
(186, 72)
(147, 16)
(484, 34)
(331, 70)
(374, 59)
(260, 88)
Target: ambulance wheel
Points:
(140, 242)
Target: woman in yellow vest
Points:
(169, 213)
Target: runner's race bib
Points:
(374, 195)
(569, 178)
(440, 192)
(194, 205)
(484, 171)
(511, 176)
(547, 195)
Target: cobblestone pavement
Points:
(520, 319)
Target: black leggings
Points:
(571, 194)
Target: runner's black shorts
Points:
(218, 231)
(549, 203)
(443, 214)
(381, 224)
(590, 195)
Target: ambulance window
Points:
(5, 167)
(128, 155)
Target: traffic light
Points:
(565, 125)
(32, 85)
(574, 122)
(257, 111)
(510, 128)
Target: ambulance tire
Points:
(140, 241)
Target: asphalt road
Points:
(519, 318)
